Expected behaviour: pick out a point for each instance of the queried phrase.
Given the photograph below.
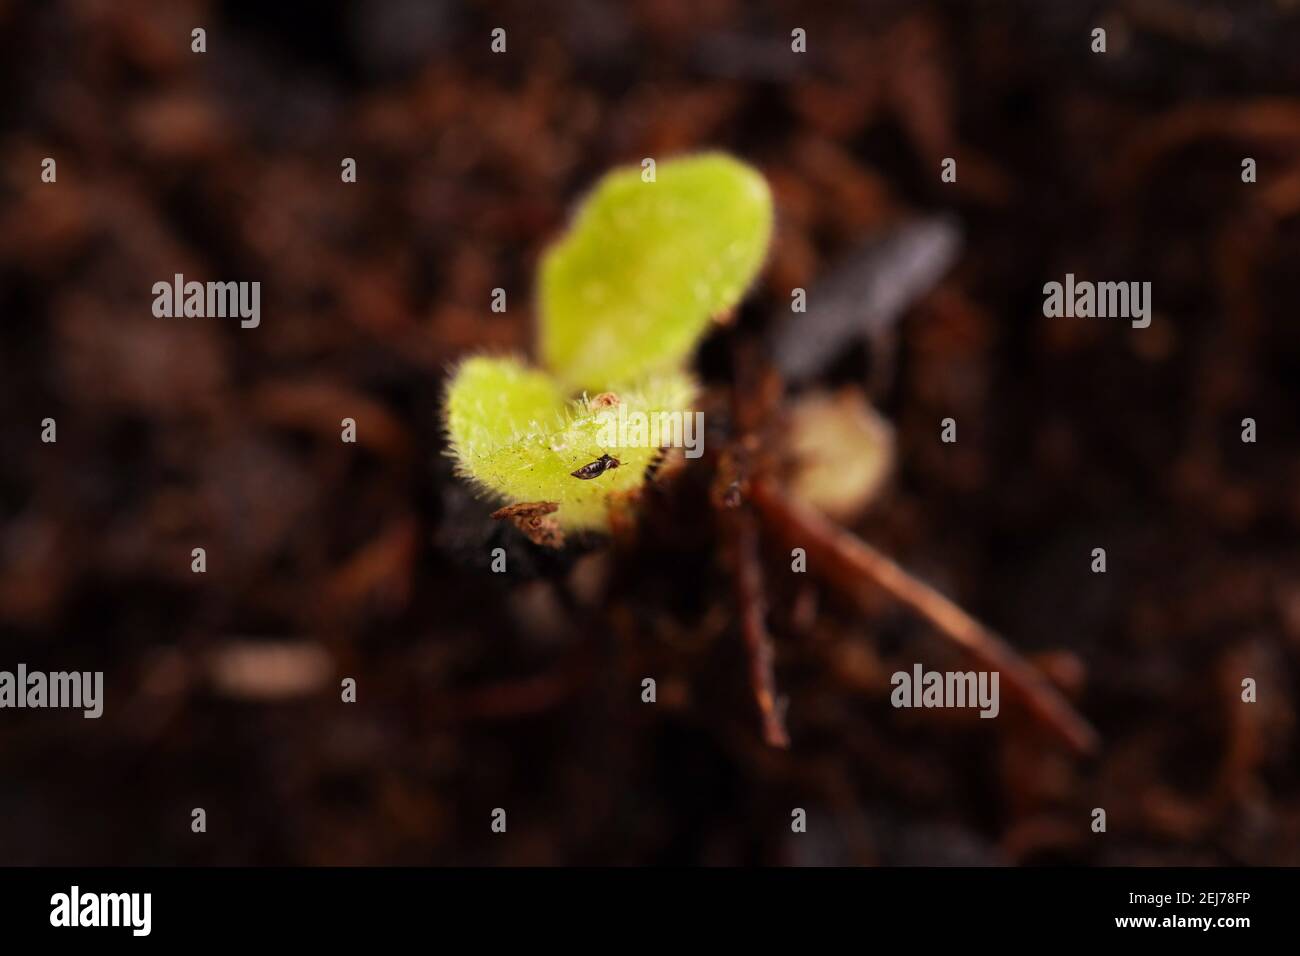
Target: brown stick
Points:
(845, 560)
(753, 610)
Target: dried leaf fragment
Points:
(533, 519)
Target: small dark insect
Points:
(596, 468)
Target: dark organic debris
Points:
(864, 296)
(532, 518)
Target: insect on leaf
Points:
(513, 432)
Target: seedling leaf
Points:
(513, 432)
(631, 287)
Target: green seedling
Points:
(624, 298)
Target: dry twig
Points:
(753, 611)
(846, 562)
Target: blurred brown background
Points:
(522, 690)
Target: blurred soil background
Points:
(522, 690)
